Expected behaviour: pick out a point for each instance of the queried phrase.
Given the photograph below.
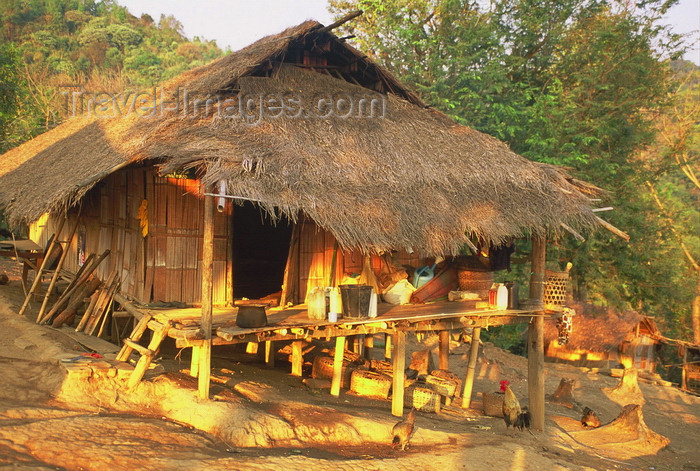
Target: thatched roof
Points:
(600, 329)
(410, 178)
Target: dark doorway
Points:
(260, 250)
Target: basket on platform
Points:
(448, 375)
(555, 288)
(323, 368)
(422, 398)
(479, 281)
(444, 387)
(370, 383)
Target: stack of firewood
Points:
(85, 288)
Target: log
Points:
(471, 368)
(37, 278)
(57, 270)
(535, 342)
(65, 297)
(627, 390)
(77, 300)
(398, 375)
(93, 300)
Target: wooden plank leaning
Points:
(57, 270)
(65, 297)
(37, 278)
(144, 362)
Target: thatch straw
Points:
(410, 179)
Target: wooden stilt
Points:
(194, 362)
(207, 297)
(535, 352)
(387, 346)
(398, 373)
(270, 353)
(337, 366)
(444, 350)
(37, 278)
(147, 355)
(471, 368)
(369, 345)
(297, 358)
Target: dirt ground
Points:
(264, 418)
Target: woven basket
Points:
(422, 398)
(555, 288)
(444, 374)
(323, 368)
(381, 366)
(444, 387)
(493, 404)
(472, 280)
(370, 383)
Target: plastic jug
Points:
(498, 296)
(422, 275)
(316, 302)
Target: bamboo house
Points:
(316, 155)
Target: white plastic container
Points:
(335, 302)
(498, 296)
(372, 304)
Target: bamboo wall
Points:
(165, 265)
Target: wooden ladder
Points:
(160, 331)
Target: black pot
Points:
(251, 315)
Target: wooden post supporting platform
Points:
(270, 353)
(207, 297)
(398, 373)
(194, 362)
(297, 358)
(471, 368)
(535, 351)
(387, 346)
(337, 366)
(444, 350)
(369, 345)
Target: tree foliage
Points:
(96, 44)
(579, 83)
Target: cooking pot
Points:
(251, 315)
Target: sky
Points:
(237, 23)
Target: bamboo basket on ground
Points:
(445, 374)
(422, 397)
(443, 386)
(493, 403)
(370, 383)
(323, 368)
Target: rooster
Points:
(590, 418)
(403, 431)
(512, 413)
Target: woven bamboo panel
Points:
(478, 281)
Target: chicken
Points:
(512, 413)
(590, 418)
(404, 430)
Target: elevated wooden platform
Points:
(293, 324)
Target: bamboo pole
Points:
(194, 362)
(270, 353)
(535, 353)
(398, 373)
(57, 271)
(471, 368)
(37, 278)
(369, 345)
(444, 350)
(337, 366)
(387, 347)
(207, 298)
(145, 360)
